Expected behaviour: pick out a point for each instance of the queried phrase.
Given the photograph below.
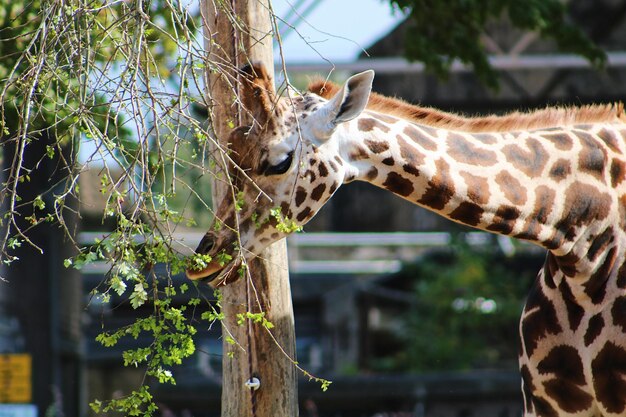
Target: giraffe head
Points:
(283, 168)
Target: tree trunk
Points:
(259, 354)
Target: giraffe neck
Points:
(553, 187)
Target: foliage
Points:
(116, 85)
(467, 309)
(442, 31)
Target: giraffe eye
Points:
(281, 167)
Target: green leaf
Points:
(139, 296)
(39, 203)
(118, 285)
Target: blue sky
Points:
(335, 29)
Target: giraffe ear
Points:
(351, 100)
(257, 94)
(346, 104)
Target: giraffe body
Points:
(556, 179)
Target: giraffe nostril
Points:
(206, 244)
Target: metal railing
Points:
(341, 253)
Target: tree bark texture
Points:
(268, 357)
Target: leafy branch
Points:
(440, 32)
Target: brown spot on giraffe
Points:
(409, 154)
(575, 312)
(567, 263)
(504, 220)
(440, 188)
(376, 146)
(561, 140)
(463, 150)
(565, 365)
(595, 287)
(511, 188)
(304, 214)
(564, 355)
(230, 221)
(333, 188)
(583, 204)
(323, 171)
(371, 174)
(551, 267)
(398, 184)
(486, 138)
(410, 169)
(543, 408)
(388, 161)
(532, 161)
(618, 312)
(432, 134)
(570, 397)
(594, 329)
(265, 226)
(477, 188)
(318, 192)
(592, 158)
(530, 231)
(618, 172)
(468, 213)
(369, 124)
(544, 201)
(540, 319)
(561, 169)
(419, 138)
(285, 209)
(309, 103)
(621, 279)
(609, 377)
(554, 241)
(301, 194)
(610, 138)
(599, 243)
(358, 153)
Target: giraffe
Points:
(554, 177)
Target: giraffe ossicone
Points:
(555, 177)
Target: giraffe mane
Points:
(537, 119)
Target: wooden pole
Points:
(259, 354)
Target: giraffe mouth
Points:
(215, 274)
(212, 273)
(208, 275)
